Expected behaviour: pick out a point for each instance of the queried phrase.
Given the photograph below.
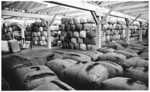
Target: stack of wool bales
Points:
(10, 29)
(114, 29)
(134, 28)
(28, 33)
(39, 34)
(55, 32)
(80, 32)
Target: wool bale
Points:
(74, 40)
(72, 27)
(76, 20)
(80, 40)
(122, 83)
(135, 62)
(76, 34)
(127, 54)
(89, 47)
(90, 34)
(105, 50)
(115, 46)
(13, 45)
(78, 27)
(83, 34)
(70, 21)
(5, 47)
(89, 41)
(67, 27)
(40, 28)
(77, 56)
(114, 57)
(77, 46)
(113, 68)
(90, 20)
(45, 28)
(138, 73)
(69, 34)
(53, 85)
(83, 47)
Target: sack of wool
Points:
(41, 43)
(135, 62)
(124, 44)
(115, 46)
(126, 53)
(107, 32)
(31, 77)
(15, 28)
(71, 45)
(28, 28)
(43, 24)
(36, 29)
(86, 26)
(83, 20)
(10, 29)
(79, 27)
(138, 73)
(124, 27)
(38, 33)
(93, 54)
(62, 27)
(5, 46)
(76, 34)
(83, 47)
(113, 68)
(89, 47)
(83, 34)
(90, 34)
(77, 56)
(114, 57)
(59, 66)
(105, 27)
(53, 85)
(70, 21)
(35, 42)
(122, 83)
(76, 20)
(107, 38)
(94, 47)
(80, 40)
(72, 27)
(44, 43)
(89, 41)
(105, 50)
(42, 38)
(55, 55)
(144, 55)
(69, 34)
(40, 28)
(113, 20)
(74, 40)
(13, 45)
(45, 28)
(91, 75)
(76, 46)
(104, 38)
(54, 28)
(114, 26)
(67, 27)
(64, 20)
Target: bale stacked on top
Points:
(80, 32)
(114, 29)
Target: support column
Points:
(98, 33)
(127, 31)
(140, 32)
(48, 30)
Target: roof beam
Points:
(135, 19)
(37, 8)
(132, 6)
(108, 3)
(26, 15)
(7, 3)
(135, 10)
(135, 13)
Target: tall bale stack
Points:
(81, 32)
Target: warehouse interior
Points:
(74, 45)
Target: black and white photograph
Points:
(74, 45)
